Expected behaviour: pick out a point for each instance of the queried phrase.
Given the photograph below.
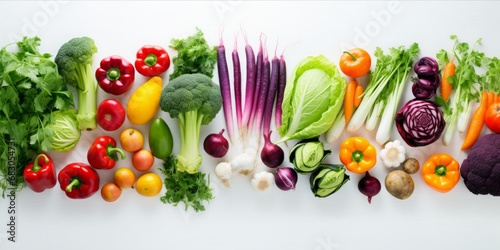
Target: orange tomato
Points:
(149, 185)
(355, 62)
(111, 192)
(492, 117)
(143, 160)
(124, 178)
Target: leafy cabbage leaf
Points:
(313, 97)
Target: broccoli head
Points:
(195, 100)
(74, 62)
(481, 169)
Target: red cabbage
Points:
(421, 93)
(420, 122)
(426, 66)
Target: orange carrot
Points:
(446, 88)
(358, 96)
(497, 98)
(477, 122)
(491, 98)
(349, 99)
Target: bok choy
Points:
(384, 91)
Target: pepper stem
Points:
(37, 166)
(150, 60)
(112, 150)
(440, 170)
(352, 56)
(357, 156)
(113, 74)
(75, 182)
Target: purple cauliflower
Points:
(481, 169)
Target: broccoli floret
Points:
(481, 169)
(74, 62)
(195, 100)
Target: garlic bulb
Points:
(393, 154)
(262, 181)
(223, 171)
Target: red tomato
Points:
(492, 117)
(110, 114)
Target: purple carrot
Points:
(237, 82)
(280, 91)
(250, 83)
(225, 88)
(262, 96)
(258, 83)
(271, 93)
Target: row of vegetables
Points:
(318, 101)
(312, 106)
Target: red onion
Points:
(369, 186)
(216, 145)
(271, 155)
(286, 178)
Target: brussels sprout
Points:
(307, 155)
(328, 179)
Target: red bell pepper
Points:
(116, 75)
(102, 153)
(152, 60)
(78, 180)
(40, 174)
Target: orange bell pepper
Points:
(357, 154)
(441, 172)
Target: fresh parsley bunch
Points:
(31, 89)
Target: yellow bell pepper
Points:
(357, 154)
(441, 172)
(144, 103)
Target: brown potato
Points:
(399, 184)
(411, 165)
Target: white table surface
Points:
(239, 217)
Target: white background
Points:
(241, 218)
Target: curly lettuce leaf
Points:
(312, 99)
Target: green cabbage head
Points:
(66, 133)
(313, 97)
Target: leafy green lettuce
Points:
(313, 97)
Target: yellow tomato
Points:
(149, 185)
(145, 101)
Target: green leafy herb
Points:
(191, 189)
(491, 78)
(195, 55)
(30, 90)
